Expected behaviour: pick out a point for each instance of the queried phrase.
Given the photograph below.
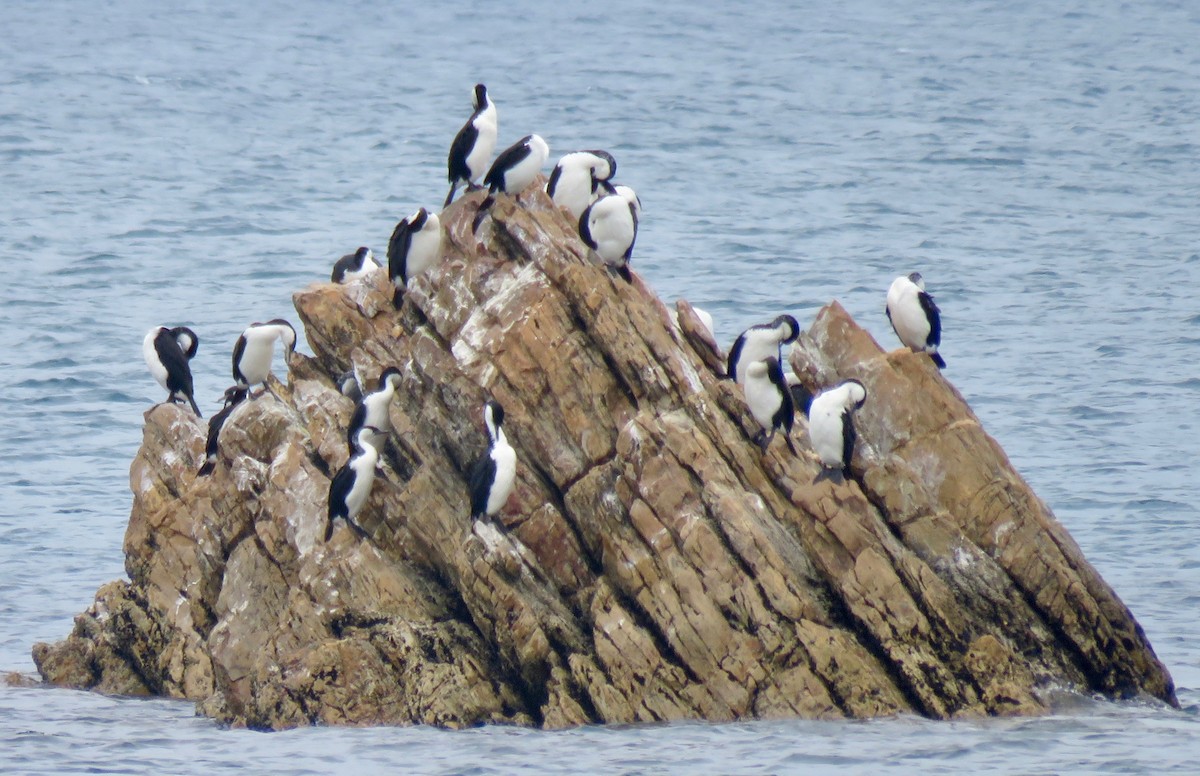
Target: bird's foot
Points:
(761, 440)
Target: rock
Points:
(651, 564)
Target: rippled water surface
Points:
(195, 163)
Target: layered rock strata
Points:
(652, 564)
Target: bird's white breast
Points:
(612, 228)
(908, 317)
(256, 358)
(485, 142)
(364, 478)
(425, 248)
(825, 428)
(763, 398)
(377, 409)
(152, 361)
(506, 474)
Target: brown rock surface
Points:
(652, 563)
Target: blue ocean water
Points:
(196, 163)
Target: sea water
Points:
(195, 163)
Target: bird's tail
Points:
(398, 296)
(484, 207)
(329, 529)
(787, 438)
(207, 468)
(937, 359)
(195, 409)
(835, 476)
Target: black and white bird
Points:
(831, 424)
(609, 227)
(579, 179)
(415, 247)
(167, 352)
(493, 475)
(350, 487)
(514, 169)
(770, 401)
(233, 397)
(758, 342)
(914, 316)
(373, 410)
(474, 144)
(256, 347)
(355, 265)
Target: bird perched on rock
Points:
(758, 342)
(233, 397)
(609, 227)
(415, 247)
(514, 169)
(372, 411)
(353, 266)
(831, 425)
(579, 179)
(770, 401)
(350, 487)
(914, 316)
(494, 473)
(474, 144)
(255, 348)
(167, 353)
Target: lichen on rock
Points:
(651, 564)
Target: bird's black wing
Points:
(483, 473)
(585, 231)
(508, 159)
(212, 447)
(786, 414)
(356, 423)
(179, 372)
(339, 488)
(934, 316)
(735, 353)
(460, 149)
(398, 252)
(238, 349)
(552, 185)
(341, 267)
(849, 436)
(633, 215)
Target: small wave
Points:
(974, 161)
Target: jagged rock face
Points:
(651, 564)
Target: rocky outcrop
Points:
(652, 563)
